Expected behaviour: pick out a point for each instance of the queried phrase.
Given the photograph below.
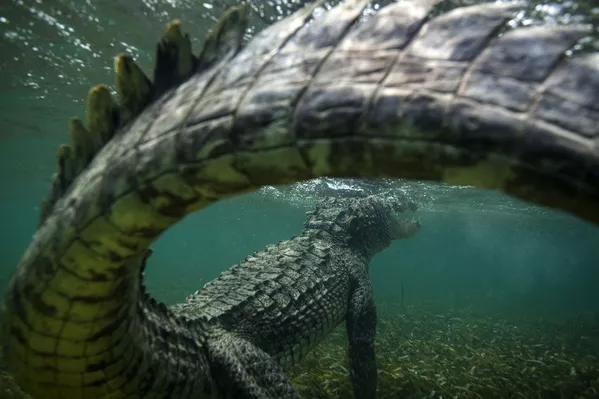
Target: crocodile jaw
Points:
(403, 228)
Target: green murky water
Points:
(499, 297)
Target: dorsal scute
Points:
(226, 37)
(174, 63)
(134, 88)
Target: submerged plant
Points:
(426, 352)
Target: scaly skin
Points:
(287, 298)
(397, 94)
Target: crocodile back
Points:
(284, 299)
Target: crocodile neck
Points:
(355, 244)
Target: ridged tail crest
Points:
(174, 63)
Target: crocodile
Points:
(281, 302)
(353, 91)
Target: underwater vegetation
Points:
(425, 351)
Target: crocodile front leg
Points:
(361, 331)
(244, 371)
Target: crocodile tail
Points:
(174, 63)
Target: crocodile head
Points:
(401, 225)
(368, 224)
